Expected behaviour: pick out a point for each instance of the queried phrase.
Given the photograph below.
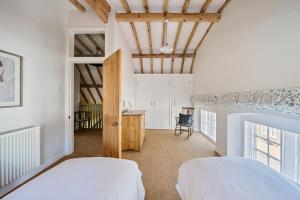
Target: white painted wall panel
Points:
(163, 96)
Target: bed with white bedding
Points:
(233, 178)
(94, 178)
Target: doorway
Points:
(98, 94)
(88, 108)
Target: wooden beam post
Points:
(101, 7)
(84, 82)
(93, 80)
(134, 32)
(172, 17)
(146, 8)
(83, 96)
(164, 32)
(83, 44)
(100, 74)
(184, 9)
(91, 85)
(78, 5)
(161, 55)
(202, 11)
(93, 41)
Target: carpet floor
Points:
(161, 157)
(159, 160)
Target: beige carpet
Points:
(159, 161)
(161, 157)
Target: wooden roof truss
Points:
(181, 18)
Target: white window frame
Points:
(206, 128)
(268, 142)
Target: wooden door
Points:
(112, 105)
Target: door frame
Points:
(69, 73)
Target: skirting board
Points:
(28, 176)
(219, 152)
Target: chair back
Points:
(185, 119)
(188, 110)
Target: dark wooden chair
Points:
(83, 119)
(184, 122)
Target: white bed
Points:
(233, 178)
(94, 178)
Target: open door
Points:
(112, 105)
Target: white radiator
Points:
(19, 153)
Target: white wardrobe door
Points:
(144, 101)
(162, 91)
(181, 93)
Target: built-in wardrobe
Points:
(162, 96)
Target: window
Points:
(276, 148)
(209, 124)
(267, 146)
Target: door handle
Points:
(115, 124)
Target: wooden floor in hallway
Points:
(88, 142)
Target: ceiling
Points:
(89, 78)
(87, 44)
(183, 46)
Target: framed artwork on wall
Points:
(10, 79)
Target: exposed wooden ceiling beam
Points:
(207, 31)
(202, 10)
(184, 9)
(173, 17)
(146, 8)
(83, 96)
(93, 41)
(83, 44)
(192, 65)
(93, 80)
(91, 86)
(134, 32)
(161, 55)
(78, 50)
(84, 82)
(101, 7)
(78, 5)
(100, 73)
(164, 32)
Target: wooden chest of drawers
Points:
(133, 130)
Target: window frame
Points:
(208, 124)
(269, 142)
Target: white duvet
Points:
(232, 178)
(85, 179)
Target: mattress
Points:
(233, 178)
(94, 178)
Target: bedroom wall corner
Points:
(32, 31)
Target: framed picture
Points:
(10, 80)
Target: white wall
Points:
(35, 29)
(254, 46)
(128, 79)
(163, 96)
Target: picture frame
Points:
(11, 69)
